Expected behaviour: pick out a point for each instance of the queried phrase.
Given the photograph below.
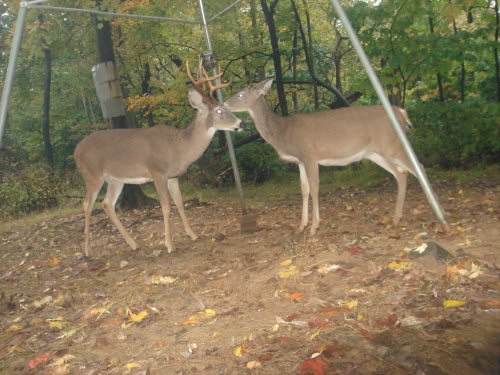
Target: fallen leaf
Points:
(350, 304)
(162, 280)
(238, 351)
(61, 361)
(253, 364)
(353, 250)
(294, 296)
(208, 313)
(328, 268)
(137, 318)
(13, 328)
(452, 303)
(53, 261)
(131, 365)
(396, 266)
(286, 262)
(288, 272)
(313, 366)
(57, 323)
(34, 362)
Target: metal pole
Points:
(420, 173)
(221, 100)
(9, 77)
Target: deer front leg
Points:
(161, 189)
(304, 188)
(112, 194)
(312, 171)
(175, 192)
(88, 203)
(401, 178)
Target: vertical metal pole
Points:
(9, 77)
(229, 141)
(422, 178)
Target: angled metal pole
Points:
(229, 141)
(9, 77)
(420, 173)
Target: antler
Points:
(204, 78)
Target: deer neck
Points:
(268, 124)
(195, 138)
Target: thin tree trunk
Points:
(273, 35)
(438, 75)
(311, 55)
(295, 99)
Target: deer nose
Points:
(239, 126)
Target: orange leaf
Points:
(294, 296)
(44, 357)
(313, 366)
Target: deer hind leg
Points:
(112, 194)
(88, 202)
(175, 192)
(305, 189)
(312, 170)
(401, 179)
(161, 189)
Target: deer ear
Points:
(265, 86)
(195, 98)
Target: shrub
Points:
(29, 190)
(456, 134)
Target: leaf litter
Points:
(362, 297)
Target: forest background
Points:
(437, 58)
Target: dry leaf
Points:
(288, 272)
(131, 365)
(139, 317)
(13, 328)
(394, 265)
(238, 351)
(253, 364)
(294, 296)
(162, 280)
(34, 362)
(452, 303)
(53, 261)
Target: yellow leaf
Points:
(191, 321)
(56, 323)
(139, 317)
(394, 265)
(350, 304)
(451, 303)
(288, 272)
(238, 351)
(286, 262)
(61, 361)
(208, 313)
(313, 336)
(132, 365)
(360, 317)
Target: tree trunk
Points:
(311, 55)
(438, 75)
(273, 35)
(132, 195)
(295, 99)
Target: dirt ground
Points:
(356, 299)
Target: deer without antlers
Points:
(160, 154)
(335, 137)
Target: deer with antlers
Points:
(160, 154)
(335, 137)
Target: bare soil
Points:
(356, 299)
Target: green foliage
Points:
(33, 189)
(454, 134)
